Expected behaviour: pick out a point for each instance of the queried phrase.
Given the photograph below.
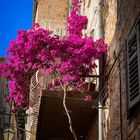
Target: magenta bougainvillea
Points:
(67, 57)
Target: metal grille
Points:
(36, 86)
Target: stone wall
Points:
(4, 106)
(120, 16)
(52, 14)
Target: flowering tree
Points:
(67, 58)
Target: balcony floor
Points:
(53, 122)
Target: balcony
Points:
(47, 119)
(53, 122)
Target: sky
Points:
(14, 15)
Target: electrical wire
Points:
(12, 125)
(102, 95)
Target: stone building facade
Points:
(122, 90)
(52, 15)
(122, 120)
(121, 111)
(5, 107)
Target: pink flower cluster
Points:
(69, 57)
(76, 22)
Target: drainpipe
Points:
(100, 34)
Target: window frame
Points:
(134, 34)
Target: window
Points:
(43, 24)
(58, 31)
(133, 68)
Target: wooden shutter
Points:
(133, 68)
